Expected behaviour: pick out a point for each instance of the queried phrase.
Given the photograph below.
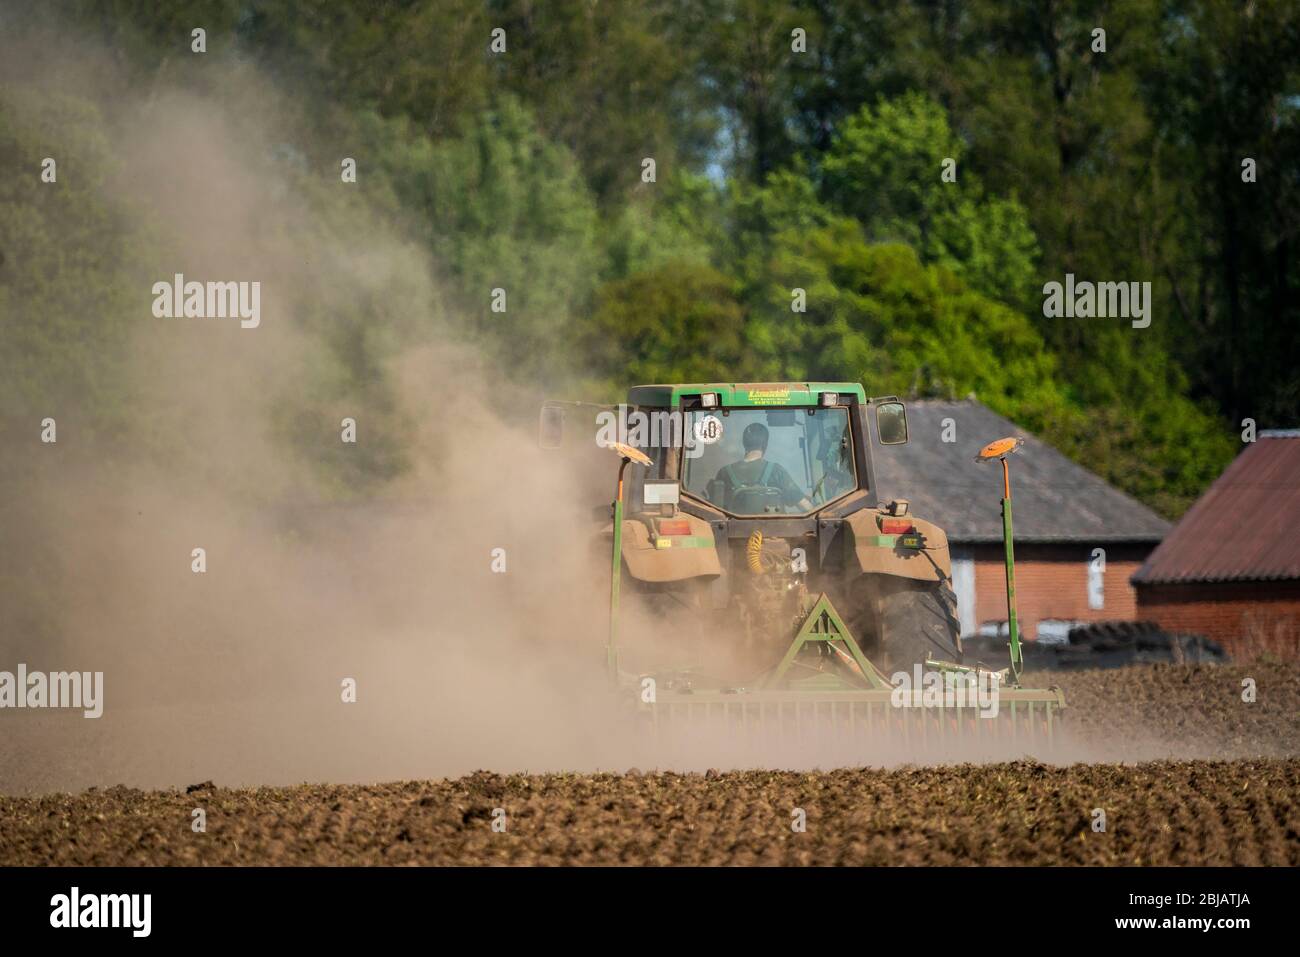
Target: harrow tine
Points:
(847, 727)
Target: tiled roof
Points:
(1246, 527)
(1055, 499)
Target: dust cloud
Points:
(237, 674)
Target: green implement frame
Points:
(823, 624)
(1013, 628)
(611, 644)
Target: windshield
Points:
(770, 461)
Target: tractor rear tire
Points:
(916, 621)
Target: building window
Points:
(963, 586)
(1096, 580)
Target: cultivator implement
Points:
(826, 703)
(1024, 715)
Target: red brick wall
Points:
(1052, 582)
(1247, 618)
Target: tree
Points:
(71, 267)
(504, 209)
(886, 169)
(677, 322)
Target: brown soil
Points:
(1129, 714)
(1226, 792)
(1202, 812)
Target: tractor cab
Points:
(772, 461)
(758, 451)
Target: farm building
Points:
(1078, 539)
(1230, 569)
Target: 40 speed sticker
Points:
(707, 429)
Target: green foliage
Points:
(504, 208)
(878, 314)
(777, 170)
(611, 82)
(744, 57)
(69, 267)
(676, 322)
(682, 223)
(885, 169)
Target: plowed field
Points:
(1223, 788)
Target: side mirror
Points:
(550, 428)
(891, 423)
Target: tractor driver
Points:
(754, 479)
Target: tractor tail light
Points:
(675, 526)
(896, 526)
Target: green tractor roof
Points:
(739, 394)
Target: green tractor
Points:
(758, 579)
